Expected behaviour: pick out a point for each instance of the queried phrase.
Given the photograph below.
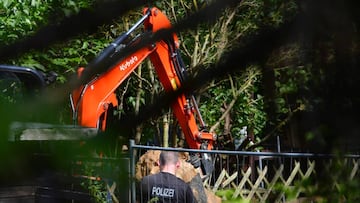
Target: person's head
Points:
(169, 161)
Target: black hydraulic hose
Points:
(103, 59)
(181, 65)
(182, 74)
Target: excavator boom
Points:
(92, 100)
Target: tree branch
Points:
(247, 84)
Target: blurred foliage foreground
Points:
(287, 69)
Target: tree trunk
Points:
(166, 130)
(137, 107)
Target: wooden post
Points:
(252, 158)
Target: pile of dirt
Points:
(147, 165)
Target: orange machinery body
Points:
(91, 101)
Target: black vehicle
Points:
(17, 80)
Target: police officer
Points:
(165, 187)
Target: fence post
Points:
(132, 171)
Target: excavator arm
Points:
(91, 101)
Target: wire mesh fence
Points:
(255, 176)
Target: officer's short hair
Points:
(168, 157)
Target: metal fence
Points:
(257, 176)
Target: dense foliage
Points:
(23, 19)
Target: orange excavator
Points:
(92, 101)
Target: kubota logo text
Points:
(128, 63)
